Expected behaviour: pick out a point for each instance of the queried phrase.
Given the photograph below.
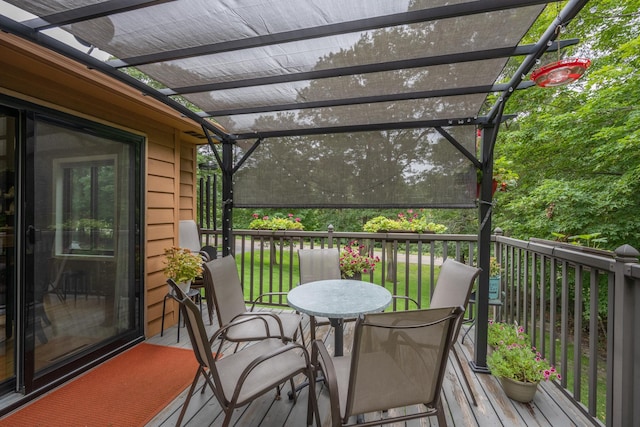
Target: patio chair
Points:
(453, 288)
(228, 298)
(319, 264)
(189, 237)
(398, 359)
(239, 378)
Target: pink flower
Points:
(255, 215)
(265, 217)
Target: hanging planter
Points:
(560, 72)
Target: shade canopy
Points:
(392, 78)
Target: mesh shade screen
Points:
(400, 168)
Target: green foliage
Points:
(499, 333)
(182, 265)
(278, 222)
(575, 148)
(409, 221)
(494, 267)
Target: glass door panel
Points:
(7, 251)
(81, 237)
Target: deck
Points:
(549, 408)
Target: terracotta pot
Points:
(519, 391)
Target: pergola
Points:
(328, 103)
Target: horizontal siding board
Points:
(160, 168)
(160, 216)
(159, 231)
(160, 184)
(160, 200)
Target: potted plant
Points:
(353, 262)
(277, 222)
(494, 278)
(183, 266)
(517, 365)
(409, 221)
(520, 368)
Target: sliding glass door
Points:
(82, 242)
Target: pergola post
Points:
(227, 197)
(489, 133)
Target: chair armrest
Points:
(264, 295)
(251, 317)
(406, 298)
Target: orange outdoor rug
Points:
(128, 390)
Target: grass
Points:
(274, 277)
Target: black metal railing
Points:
(556, 291)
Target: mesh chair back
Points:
(319, 264)
(227, 289)
(453, 287)
(399, 359)
(189, 235)
(197, 332)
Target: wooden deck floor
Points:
(550, 407)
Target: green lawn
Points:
(275, 277)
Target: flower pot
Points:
(356, 276)
(494, 287)
(185, 286)
(519, 391)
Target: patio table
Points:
(337, 300)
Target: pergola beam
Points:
(461, 57)
(365, 100)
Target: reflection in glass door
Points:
(80, 245)
(7, 258)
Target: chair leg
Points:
(191, 390)
(293, 390)
(179, 318)
(312, 401)
(468, 330)
(164, 303)
(302, 335)
(442, 420)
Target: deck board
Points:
(549, 408)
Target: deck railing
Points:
(556, 291)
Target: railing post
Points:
(623, 387)
(330, 237)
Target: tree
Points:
(576, 148)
